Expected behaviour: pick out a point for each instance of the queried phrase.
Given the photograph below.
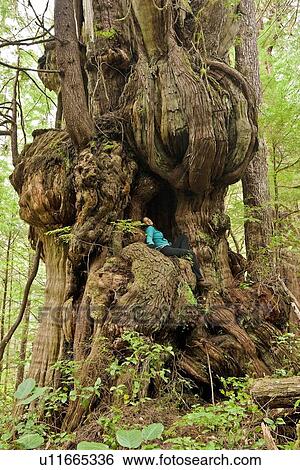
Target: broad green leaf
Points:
(24, 389)
(30, 441)
(269, 421)
(153, 431)
(86, 445)
(38, 392)
(130, 439)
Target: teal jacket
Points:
(156, 238)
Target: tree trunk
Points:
(6, 339)
(72, 87)
(9, 312)
(5, 291)
(258, 225)
(24, 335)
(175, 126)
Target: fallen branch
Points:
(274, 392)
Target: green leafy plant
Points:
(224, 420)
(130, 439)
(30, 441)
(273, 424)
(90, 445)
(110, 424)
(25, 388)
(127, 225)
(106, 33)
(27, 391)
(144, 363)
(127, 438)
(62, 235)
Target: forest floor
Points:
(171, 413)
(185, 421)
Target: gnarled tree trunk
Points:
(175, 126)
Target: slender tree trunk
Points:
(5, 292)
(10, 298)
(5, 340)
(258, 229)
(24, 334)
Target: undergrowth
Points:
(137, 419)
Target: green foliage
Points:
(280, 125)
(71, 389)
(291, 341)
(89, 445)
(25, 388)
(144, 363)
(27, 391)
(153, 431)
(110, 425)
(50, 401)
(30, 441)
(106, 33)
(127, 438)
(127, 225)
(62, 235)
(185, 290)
(130, 439)
(273, 424)
(225, 420)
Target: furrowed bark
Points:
(258, 229)
(74, 100)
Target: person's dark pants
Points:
(181, 248)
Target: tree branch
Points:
(37, 85)
(14, 125)
(23, 69)
(26, 41)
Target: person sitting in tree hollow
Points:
(180, 247)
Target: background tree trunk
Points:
(5, 291)
(24, 334)
(9, 315)
(258, 229)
